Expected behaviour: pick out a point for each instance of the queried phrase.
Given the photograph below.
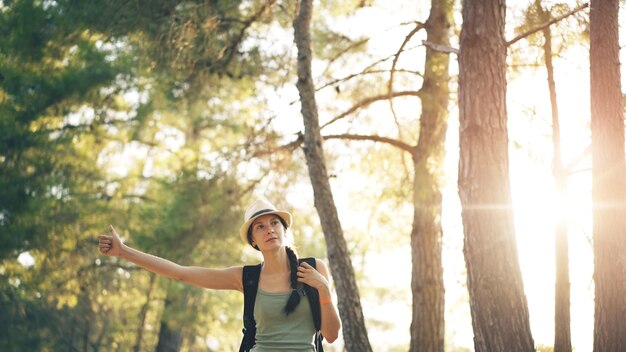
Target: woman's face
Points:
(267, 232)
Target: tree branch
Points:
(440, 48)
(417, 28)
(387, 58)
(365, 72)
(291, 146)
(368, 101)
(343, 51)
(232, 48)
(547, 24)
(391, 141)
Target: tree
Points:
(538, 17)
(427, 327)
(428, 323)
(541, 20)
(349, 303)
(48, 72)
(65, 68)
(562, 337)
(608, 178)
(497, 301)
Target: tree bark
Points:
(428, 323)
(349, 303)
(497, 301)
(609, 179)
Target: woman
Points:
(283, 320)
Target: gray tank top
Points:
(276, 331)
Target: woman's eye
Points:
(274, 223)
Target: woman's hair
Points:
(294, 298)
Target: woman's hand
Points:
(110, 245)
(321, 281)
(310, 276)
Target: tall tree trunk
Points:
(427, 326)
(562, 336)
(497, 301)
(349, 303)
(609, 179)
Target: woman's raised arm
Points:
(218, 279)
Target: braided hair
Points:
(294, 298)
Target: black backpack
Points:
(250, 278)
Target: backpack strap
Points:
(314, 301)
(314, 298)
(250, 280)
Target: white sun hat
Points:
(259, 208)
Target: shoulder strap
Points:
(250, 281)
(314, 302)
(313, 297)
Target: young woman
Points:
(283, 320)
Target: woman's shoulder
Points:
(321, 266)
(319, 262)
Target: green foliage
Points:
(68, 73)
(183, 213)
(20, 317)
(47, 73)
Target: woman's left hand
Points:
(308, 275)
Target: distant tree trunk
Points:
(427, 326)
(86, 334)
(349, 303)
(142, 315)
(170, 339)
(97, 344)
(170, 333)
(609, 179)
(562, 337)
(497, 301)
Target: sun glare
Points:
(536, 204)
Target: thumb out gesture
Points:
(110, 244)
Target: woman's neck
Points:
(276, 262)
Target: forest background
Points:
(166, 118)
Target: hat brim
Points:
(243, 231)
